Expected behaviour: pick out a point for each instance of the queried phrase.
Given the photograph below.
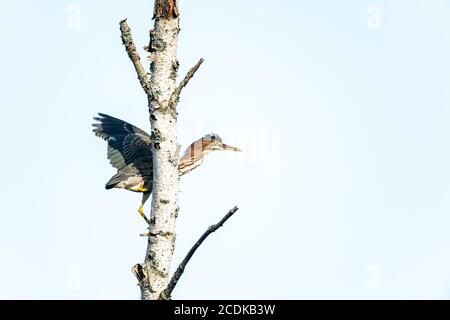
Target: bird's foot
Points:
(143, 215)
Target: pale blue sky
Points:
(342, 109)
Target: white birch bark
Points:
(161, 240)
(163, 95)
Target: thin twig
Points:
(127, 41)
(175, 96)
(166, 293)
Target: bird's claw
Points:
(143, 215)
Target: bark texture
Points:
(164, 65)
(163, 95)
(153, 274)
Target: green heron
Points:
(129, 151)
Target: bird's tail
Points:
(117, 181)
(112, 183)
(127, 181)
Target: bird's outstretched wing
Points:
(126, 143)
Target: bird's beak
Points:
(226, 147)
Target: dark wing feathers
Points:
(139, 171)
(126, 143)
(110, 126)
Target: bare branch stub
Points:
(139, 273)
(176, 93)
(130, 47)
(166, 293)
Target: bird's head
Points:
(213, 142)
(194, 154)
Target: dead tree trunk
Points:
(163, 95)
(153, 274)
(163, 117)
(164, 65)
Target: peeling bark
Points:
(161, 240)
(163, 95)
(166, 9)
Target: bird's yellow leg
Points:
(141, 212)
(145, 197)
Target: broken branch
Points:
(139, 272)
(127, 41)
(176, 93)
(166, 293)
